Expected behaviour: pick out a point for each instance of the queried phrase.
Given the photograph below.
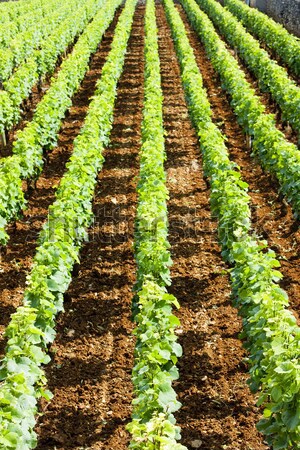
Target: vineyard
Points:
(149, 226)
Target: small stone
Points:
(179, 331)
(195, 165)
(196, 443)
(70, 333)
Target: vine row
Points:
(278, 156)
(273, 34)
(272, 334)
(41, 134)
(43, 61)
(31, 329)
(272, 77)
(157, 350)
(23, 45)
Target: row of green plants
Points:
(32, 326)
(157, 350)
(16, 17)
(270, 330)
(285, 45)
(12, 10)
(43, 61)
(276, 155)
(15, 9)
(271, 76)
(41, 134)
(23, 45)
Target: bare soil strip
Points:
(90, 374)
(272, 217)
(218, 410)
(16, 258)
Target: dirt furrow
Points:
(272, 217)
(16, 258)
(90, 373)
(218, 410)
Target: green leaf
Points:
(276, 393)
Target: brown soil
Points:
(16, 258)
(218, 409)
(93, 353)
(272, 217)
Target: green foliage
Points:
(6, 112)
(32, 326)
(157, 434)
(19, 371)
(225, 180)
(271, 332)
(41, 133)
(19, 17)
(43, 60)
(271, 76)
(151, 242)
(12, 199)
(277, 38)
(156, 352)
(21, 46)
(277, 155)
(273, 340)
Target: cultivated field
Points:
(135, 133)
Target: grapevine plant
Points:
(22, 46)
(41, 134)
(19, 10)
(271, 334)
(18, 17)
(156, 352)
(276, 154)
(43, 60)
(31, 329)
(272, 77)
(273, 34)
